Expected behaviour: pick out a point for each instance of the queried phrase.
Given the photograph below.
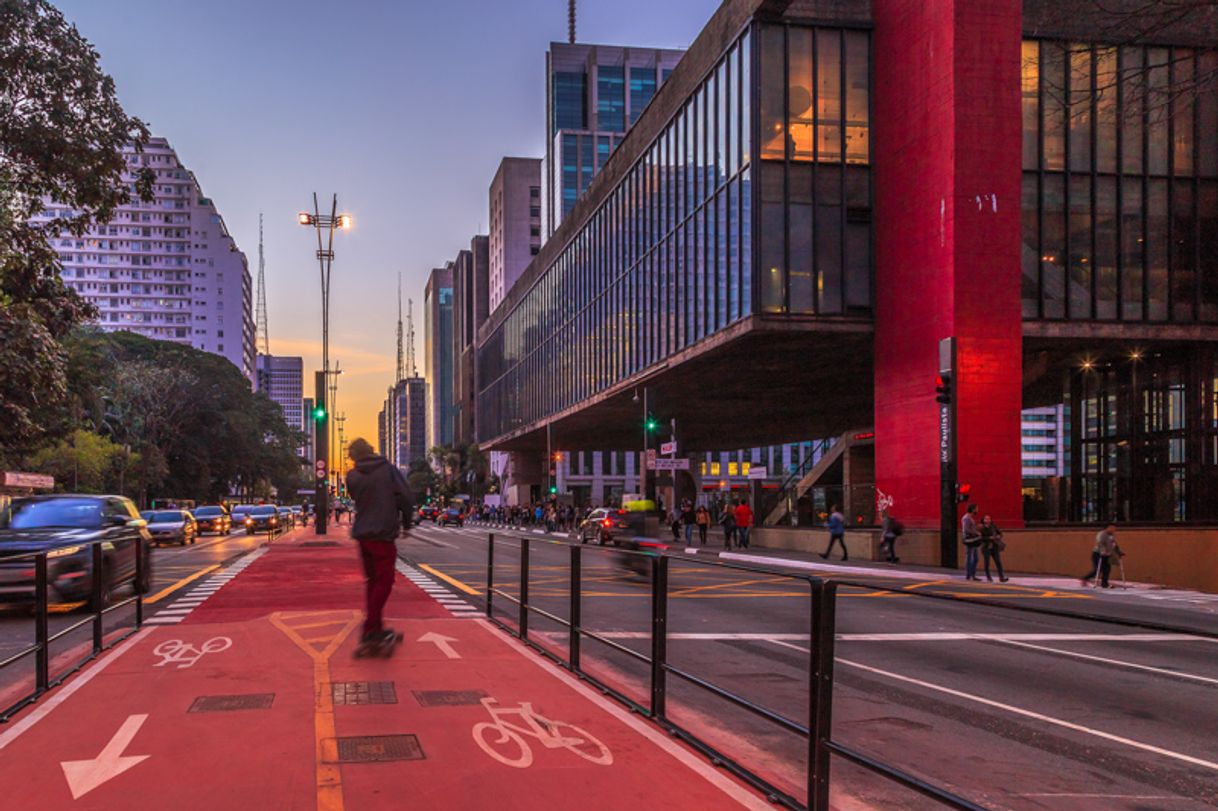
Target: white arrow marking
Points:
(441, 642)
(85, 775)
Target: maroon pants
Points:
(379, 558)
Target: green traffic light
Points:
(553, 489)
(319, 413)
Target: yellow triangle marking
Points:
(350, 620)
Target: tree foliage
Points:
(62, 132)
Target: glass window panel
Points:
(858, 115)
(858, 266)
(733, 112)
(746, 243)
(828, 96)
(1105, 248)
(642, 88)
(1158, 109)
(1207, 112)
(708, 144)
(799, 94)
(691, 185)
(1156, 250)
(1106, 109)
(1030, 252)
(1053, 247)
(721, 214)
(773, 81)
(1030, 94)
(829, 259)
(803, 299)
(569, 101)
(1080, 108)
(1183, 253)
(1053, 82)
(746, 120)
(773, 264)
(733, 254)
(611, 98)
(1207, 209)
(1080, 247)
(721, 132)
(1133, 89)
(1183, 106)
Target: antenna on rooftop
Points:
(571, 21)
(264, 339)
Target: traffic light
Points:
(652, 423)
(553, 489)
(963, 491)
(319, 412)
(943, 389)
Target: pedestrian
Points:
(837, 532)
(728, 520)
(702, 519)
(972, 541)
(744, 523)
(385, 507)
(992, 545)
(674, 523)
(892, 529)
(1101, 556)
(688, 519)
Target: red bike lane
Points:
(255, 700)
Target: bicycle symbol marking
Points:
(510, 748)
(183, 654)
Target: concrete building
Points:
(1044, 435)
(754, 220)
(594, 93)
(470, 310)
(403, 422)
(166, 269)
(281, 378)
(515, 223)
(438, 358)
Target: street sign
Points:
(758, 472)
(672, 464)
(306, 491)
(668, 448)
(319, 469)
(651, 459)
(33, 481)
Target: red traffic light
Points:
(963, 491)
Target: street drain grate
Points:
(250, 701)
(377, 749)
(320, 543)
(363, 692)
(448, 698)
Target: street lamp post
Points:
(327, 223)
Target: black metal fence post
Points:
(523, 627)
(490, 570)
(98, 616)
(820, 683)
(139, 581)
(659, 634)
(576, 603)
(42, 661)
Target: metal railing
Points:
(821, 611)
(44, 680)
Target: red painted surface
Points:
(946, 153)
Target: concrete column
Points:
(526, 470)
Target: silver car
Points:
(171, 526)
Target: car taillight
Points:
(607, 522)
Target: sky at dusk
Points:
(403, 108)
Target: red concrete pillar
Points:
(946, 161)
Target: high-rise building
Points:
(404, 422)
(307, 407)
(1044, 432)
(281, 378)
(438, 355)
(515, 220)
(168, 268)
(594, 93)
(470, 310)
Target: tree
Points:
(62, 133)
(85, 462)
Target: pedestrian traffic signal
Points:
(553, 489)
(943, 389)
(963, 491)
(319, 413)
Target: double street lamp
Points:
(324, 224)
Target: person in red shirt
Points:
(744, 523)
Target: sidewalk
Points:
(252, 699)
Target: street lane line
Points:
(451, 580)
(916, 637)
(165, 592)
(63, 694)
(652, 733)
(1114, 662)
(1048, 719)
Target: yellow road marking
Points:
(64, 608)
(170, 589)
(450, 580)
(329, 776)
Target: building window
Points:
(611, 98)
(642, 88)
(570, 101)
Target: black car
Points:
(258, 517)
(213, 518)
(428, 511)
(452, 515)
(65, 527)
(603, 525)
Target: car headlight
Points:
(64, 551)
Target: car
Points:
(65, 527)
(213, 518)
(287, 518)
(429, 511)
(603, 525)
(258, 517)
(451, 515)
(171, 526)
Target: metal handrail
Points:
(43, 680)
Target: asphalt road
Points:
(1010, 708)
(173, 568)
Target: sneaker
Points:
(1003, 579)
(824, 557)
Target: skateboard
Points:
(382, 647)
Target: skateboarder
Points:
(383, 506)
